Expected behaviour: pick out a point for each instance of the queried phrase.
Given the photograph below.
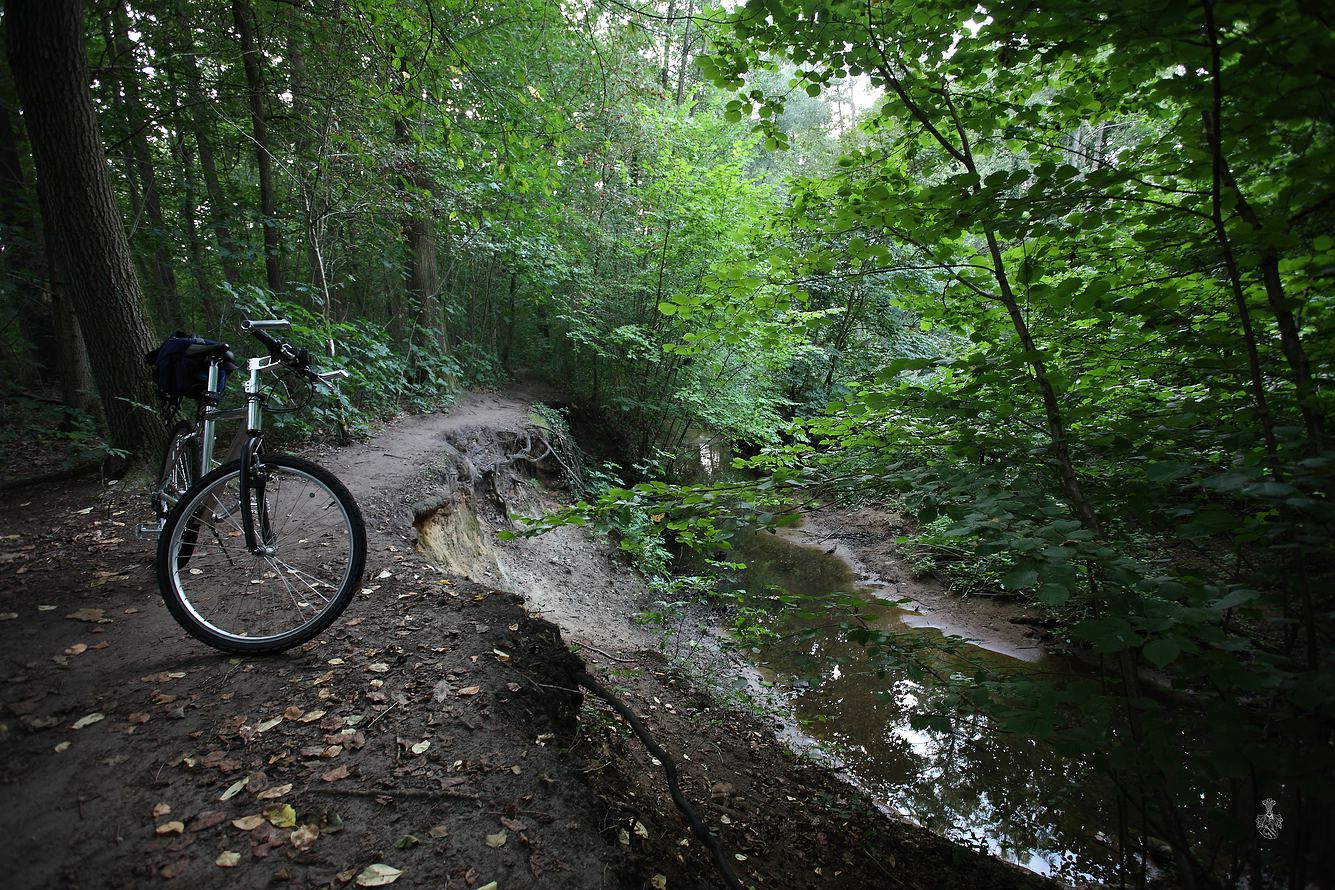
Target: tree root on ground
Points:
(698, 827)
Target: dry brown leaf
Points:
(438, 831)
(470, 690)
(162, 676)
(139, 717)
(76, 649)
(293, 713)
(89, 720)
(228, 859)
(172, 827)
(304, 837)
(275, 792)
(498, 839)
(161, 808)
(248, 823)
(90, 615)
(335, 774)
(378, 668)
(310, 716)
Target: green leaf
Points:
(1161, 653)
(1019, 578)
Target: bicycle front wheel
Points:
(314, 553)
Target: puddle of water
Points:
(1009, 796)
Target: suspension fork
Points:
(253, 477)
(259, 535)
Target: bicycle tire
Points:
(243, 603)
(181, 461)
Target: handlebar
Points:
(282, 351)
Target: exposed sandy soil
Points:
(525, 782)
(865, 539)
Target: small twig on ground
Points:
(398, 792)
(381, 714)
(604, 654)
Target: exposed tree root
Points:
(698, 827)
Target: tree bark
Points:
(218, 208)
(419, 234)
(18, 232)
(46, 55)
(164, 276)
(250, 55)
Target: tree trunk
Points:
(419, 235)
(250, 54)
(46, 54)
(18, 232)
(164, 276)
(218, 207)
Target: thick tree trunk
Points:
(250, 54)
(46, 54)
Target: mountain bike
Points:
(265, 551)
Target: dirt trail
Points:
(434, 728)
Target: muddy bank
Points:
(785, 818)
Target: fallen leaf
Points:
(293, 713)
(439, 831)
(269, 724)
(162, 677)
(640, 829)
(378, 668)
(658, 882)
(421, 747)
(501, 656)
(470, 690)
(46, 608)
(8, 616)
(102, 645)
(378, 875)
(85, 511)
(515, 825)
(61, 747)
(76, 649)
(139, 717)
(407, 842)
(275, 792)
(338, 772)
(310, 716)
(281, 817)
(304, 837)
(228, 859)
(206, 820)
(173, 827)
(490, 885)
(384, 573)
(88, 720)
(234, 789)
(161, 809)
(498, 839)
(90, 615)
(248, 823)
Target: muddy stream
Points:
(1011, 797)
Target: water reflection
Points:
(1003, 794)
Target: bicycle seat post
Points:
(210, 400)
